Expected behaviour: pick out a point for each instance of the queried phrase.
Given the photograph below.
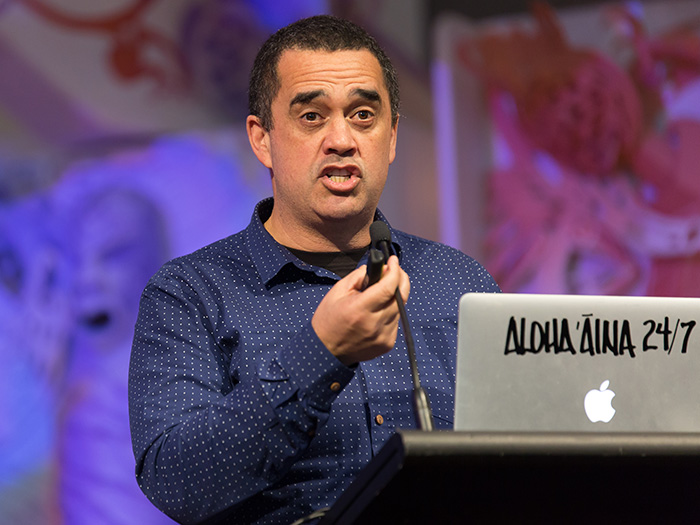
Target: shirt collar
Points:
(271, 258)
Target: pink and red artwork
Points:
(592, 170)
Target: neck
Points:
(325, 236)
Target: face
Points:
(118, 248)
(331, 142)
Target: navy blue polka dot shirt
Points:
(239, 414)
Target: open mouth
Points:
(339, 175)
(97, 320)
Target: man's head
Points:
(318, 33)
(330, 134)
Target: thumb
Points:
(354, 280)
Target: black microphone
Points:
(381, 240)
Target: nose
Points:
(339, 139)
(89, 275)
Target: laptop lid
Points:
(571, 363)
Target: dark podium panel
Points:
(458, 477)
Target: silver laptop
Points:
(566, 363)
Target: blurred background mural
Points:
(569, 139)
(555, 142)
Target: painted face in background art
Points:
(119, 244)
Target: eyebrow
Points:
(308, 96)
(368, 94)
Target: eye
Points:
(310, 116)
(364, 114)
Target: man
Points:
(261, 381)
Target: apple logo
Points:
(598, 403)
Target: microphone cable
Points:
(381, 240)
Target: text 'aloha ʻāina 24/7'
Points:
(594, 336)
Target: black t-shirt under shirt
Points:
(340, 263)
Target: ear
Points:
(394, 134)
(259, 139)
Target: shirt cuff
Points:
(317, 374)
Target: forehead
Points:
(302, 70)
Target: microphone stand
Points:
(421, 404)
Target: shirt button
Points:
(335, 386)
(379, 419)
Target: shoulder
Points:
(421, 247)
(229, 254)
(442, 262)
(219, 259)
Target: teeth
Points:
(338, 175)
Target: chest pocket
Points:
(254, 349)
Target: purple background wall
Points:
(122, 145)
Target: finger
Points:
(393, 274)
(392, 269)
(352, 281)
(356, 278)
(380, 294)
(404, 286)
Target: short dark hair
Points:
(317, 33)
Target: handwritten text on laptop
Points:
(594, 336)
